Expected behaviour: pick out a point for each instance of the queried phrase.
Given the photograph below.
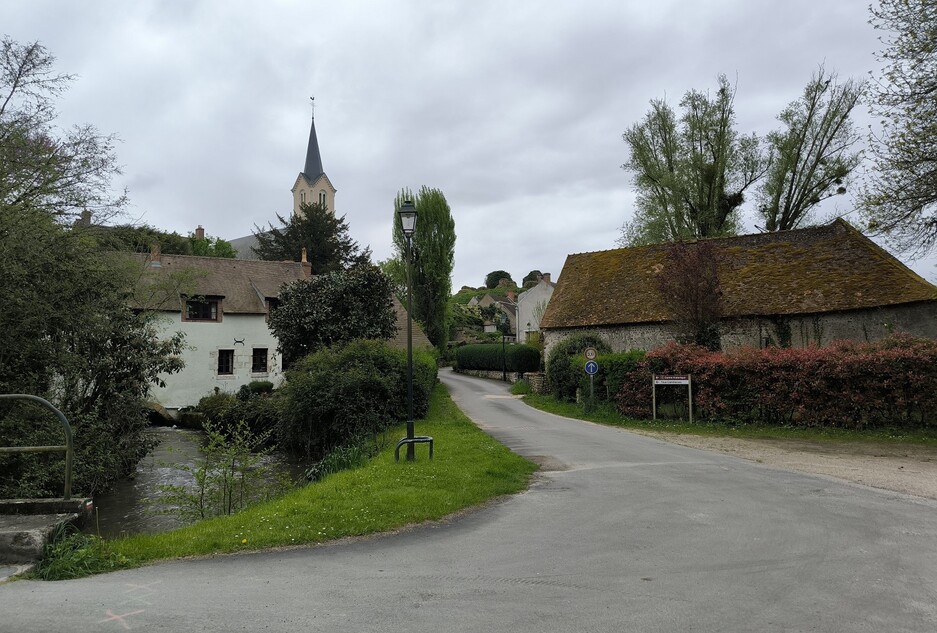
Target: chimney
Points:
(199, 233)
(511, 295)
(546, 277)
(304, 259)
(85, 218)
(307, 267)
(155, 255)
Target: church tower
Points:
(312, 185)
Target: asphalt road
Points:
(619, 533)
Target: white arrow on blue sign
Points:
(592, 368)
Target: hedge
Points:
(487, 357)
(564, 369)
(891, 383)
(344, 392)
(614, 369)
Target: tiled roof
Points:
(399, 340)
(822, 269)
(244, 284)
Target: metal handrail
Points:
(69, 447)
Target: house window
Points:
(259, 360)
(225, 362)
(202, 310)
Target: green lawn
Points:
(605, 413)
(468, 468)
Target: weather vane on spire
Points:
(313, 103)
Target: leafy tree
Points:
(66, 330)
(67, 334)
(493, 278)
(531, 278)
(139, 239)
(689, 285)
(691, 173)
(433, 256)
(333, 308)
(59, 172)
(901, 196)
(811, 157)
(209, 246)
(325, 237)
(396, 271)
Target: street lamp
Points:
(407, 214)
(504, 362)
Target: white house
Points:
(531, 305)
(221, 306)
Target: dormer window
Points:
(202, 310)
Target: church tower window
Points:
(322, 197)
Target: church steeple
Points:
(313, 167)
(312, 186)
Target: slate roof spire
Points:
(313, 167)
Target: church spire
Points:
(313, 167)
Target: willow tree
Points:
(811, 157)
(433, 257)
(691, 172)
(901, 197)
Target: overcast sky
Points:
(514, 109)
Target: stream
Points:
(132, 505)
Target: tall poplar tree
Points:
(433, 258)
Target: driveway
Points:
(620, 532)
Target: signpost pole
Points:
(689, 386)
(654, 395)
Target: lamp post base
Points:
(410, 441)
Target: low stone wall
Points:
(538, 382)
(512, 376)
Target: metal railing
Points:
(68, 448)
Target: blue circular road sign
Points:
(592, 368)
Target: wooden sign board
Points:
(671, 380)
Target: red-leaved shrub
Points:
(892, 382)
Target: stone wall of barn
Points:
(919, 319)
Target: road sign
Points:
(591, 353)
(671, 380)
(592, 368)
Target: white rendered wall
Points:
(203, 339)
(527, 302)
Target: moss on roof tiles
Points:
(822, 269)
(244, 284)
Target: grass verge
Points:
(468, 468)
(605, 413)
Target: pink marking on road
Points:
(119, 618)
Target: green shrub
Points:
(339, 393)
(224, 411)
(216, 406)
(71, 554)
(487, 357)
(355, 453)
(614, 370)
(564, 370)
(520, 388)
(258, 387)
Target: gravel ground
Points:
(905, 468)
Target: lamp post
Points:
(407, 215)
(504, 362)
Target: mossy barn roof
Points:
(828, 268)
